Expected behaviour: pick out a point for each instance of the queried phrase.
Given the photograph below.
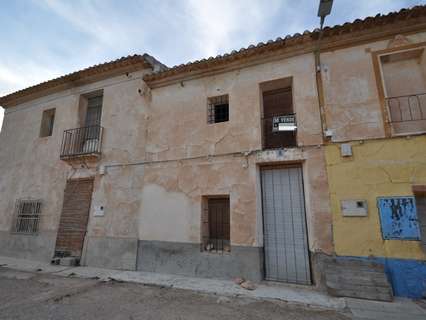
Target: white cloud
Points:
(94, 31)
(95, 18)
(220, 25)
(175, 32)
(16, 77)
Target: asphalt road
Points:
(25, 295)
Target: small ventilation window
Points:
(218, 109)
(47, 121)
(27, 216)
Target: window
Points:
(47, 121)
(216, 225)
(27, 216)
(279, 121)
(94, 111)
(404, 83)
(218, 109)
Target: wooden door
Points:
(277, 102)
(74, 217)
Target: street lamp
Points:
(324, 10)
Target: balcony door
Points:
(276, 103)
(94, 111)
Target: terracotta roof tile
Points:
(204, 64)
(144, 61)
(279, 43)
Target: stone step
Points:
(379, 279)
(355, 263)
(357, 279)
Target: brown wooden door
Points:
(277, 102)
(74, 217)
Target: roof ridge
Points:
(161, 71)
(327, 31)
(99, 68)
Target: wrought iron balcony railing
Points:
(85, 141)
(279, 131)
(407, 108)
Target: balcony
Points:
(85, 142)
(407, 114)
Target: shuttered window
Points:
(47, 121)
(277, 103)
(94, 111)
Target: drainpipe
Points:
(324, 10)
(320, 89)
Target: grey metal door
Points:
(284, 225)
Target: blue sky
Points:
(43, 39)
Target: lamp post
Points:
(324, 10)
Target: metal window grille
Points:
(217, 225)
(27, 216)
(218, 109)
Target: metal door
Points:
(284, 225)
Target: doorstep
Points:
(306, 296)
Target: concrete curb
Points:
(291, 294)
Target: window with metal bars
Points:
(216, 225)
(27, 216)
(47, 121)
(218, 109)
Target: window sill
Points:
(407, 134)
(24, 233)
(217, 253)
(44, 138)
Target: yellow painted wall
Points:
(387, 167)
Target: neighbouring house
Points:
(300, 160)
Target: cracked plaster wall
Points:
(178, 128)
(30, 166)
(162, 201)
(352, 104)
(377, 168)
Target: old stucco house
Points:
(274, 162)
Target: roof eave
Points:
(79, 78)
(347, 35)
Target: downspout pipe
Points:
(318, 77)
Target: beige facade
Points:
(161, 158)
